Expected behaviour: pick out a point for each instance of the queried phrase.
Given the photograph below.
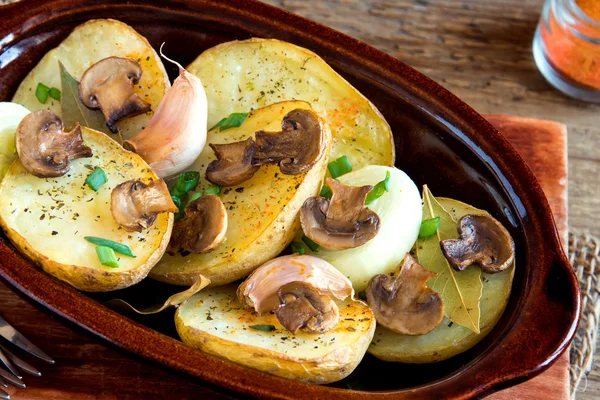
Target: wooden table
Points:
(479, 49)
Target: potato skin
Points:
(85, 276)
(327, 367)
(273, 238)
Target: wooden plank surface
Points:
(87, 369)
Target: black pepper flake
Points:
(450, 324)
(240, 190)
(54, 233)
(42, 217)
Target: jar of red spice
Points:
(566, 47)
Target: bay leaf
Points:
(461, 291)
(73, 110)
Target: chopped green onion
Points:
(298, 247)
(379, 189)
(96, 179)
(186, 182)
(214, 189)
(41, 92)
(194, 196)
(339, 167)
(326, 192)
(107, 256)
(311, 245)
(234, 120)
(54, 93)
(179, 213)
(429, 227)
(264, 328)
(118, 247)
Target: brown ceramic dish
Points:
(439, 141)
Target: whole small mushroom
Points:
(298, 146)
(108, 85)
(342, 222)
(202, 228)
(45, 148)
(134, 205)
(303, 307)
(483, 241)
(403, 303)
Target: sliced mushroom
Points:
(233, 164)
(403, 303)
(45, 148)
(259, 291)
(483, 241)
(108, 85)
(342, 222)
(135, 205)
(202, 228)
(303, 307)
(297, 147)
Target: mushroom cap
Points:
(108, 85)
(233, 164)
(297, 148)
(404, 304)
(342, 222)
(202, 228)
(45, 148)
(483, 241)
(259, 291)
(134, 204)
(303, 307)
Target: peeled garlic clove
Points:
(176, 134)
(259, 291)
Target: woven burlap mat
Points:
(584, 254)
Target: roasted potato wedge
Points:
(244, 75)
(262, 212)
(87, 44)
(10, 116)
(447, 339)
(48, 218)
(215, 322)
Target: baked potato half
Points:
(262, 212)
(87, 44)
(448, 339)
(215, 322)
(244, 75)
(48, 218)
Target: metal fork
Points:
(13, 365)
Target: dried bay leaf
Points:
(461, 291)
(73, 110)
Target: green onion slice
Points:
(54, 93)
(107, 256)
(339, 167)
(326, 192)
(234, 120)
(96, 179)
(214, 189)
(298, 247)
(118, 247)
(186, 182)
(379, 190)
(429, 227)
(311, 245)
(41, 92)
(264, 328)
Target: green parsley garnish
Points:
(234, 120)
(264, 328)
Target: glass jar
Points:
(566, 49)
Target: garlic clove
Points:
(259, 291)
(176, 134)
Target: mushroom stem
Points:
(134, 205)
(176, 134)
(233, 164)
(45, 148)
